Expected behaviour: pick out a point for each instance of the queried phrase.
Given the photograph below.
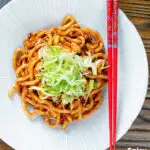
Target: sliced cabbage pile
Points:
(61, 74)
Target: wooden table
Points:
(138, 12)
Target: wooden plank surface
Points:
(138, 11)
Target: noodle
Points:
(70, 37)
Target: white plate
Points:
(20, 17)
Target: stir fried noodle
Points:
(74, 42)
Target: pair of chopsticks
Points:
(112, 41)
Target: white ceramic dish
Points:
(20, 17)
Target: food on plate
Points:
(60, 73)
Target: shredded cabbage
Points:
(61, 74)
(90, 86)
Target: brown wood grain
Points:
(138, 11)
(4, 146)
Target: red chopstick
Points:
(115, 68)
(109, 44)
(112, 41)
